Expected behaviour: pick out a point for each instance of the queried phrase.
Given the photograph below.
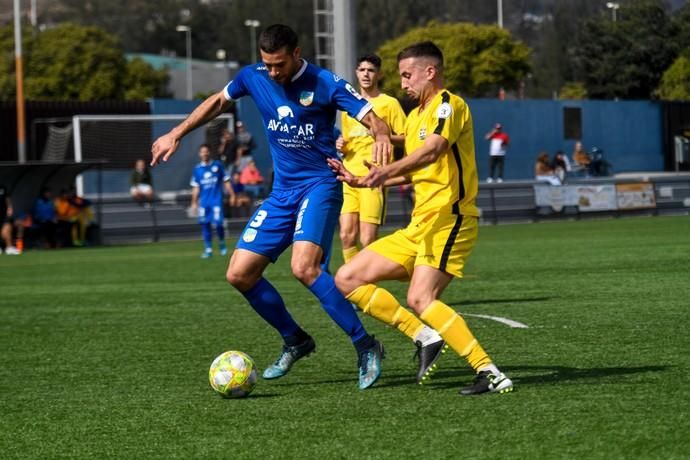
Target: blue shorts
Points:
(305, 214)
(211, 215)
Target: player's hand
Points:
(342, 174)
(381, 151)
(340, 143)
(377, 175)
(163, 148)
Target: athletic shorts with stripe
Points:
(442, 241)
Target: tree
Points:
(74, 62)
(71, 62)
(573, 91)
(626, 58)
(143, 81)
(478, 59)
(675, 83)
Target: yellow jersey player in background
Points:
(432, 250)
(364, 209)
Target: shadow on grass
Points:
(467, 303)
(521, 375)
(545, 375)
(261, 396)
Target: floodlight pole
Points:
(19, 76)
(499, 8)
(252, 24)
(613, 6)
(188, 36)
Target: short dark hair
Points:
(422, 49)
(205, 145)
(278, 36)
(372, 58)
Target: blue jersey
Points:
(299, 118)
(209, 177)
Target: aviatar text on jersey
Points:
(302, 132)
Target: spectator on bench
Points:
(141, 183)
(45, 218)
(6, 222)
(73, 212)
(252, 180)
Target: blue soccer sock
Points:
(337, 307)
(206, 233)
(220, 231)
(268, 303)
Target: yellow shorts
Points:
(369, 203)
(443, 241)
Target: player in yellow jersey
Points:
(433, 248)
(364, 208)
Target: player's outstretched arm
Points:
(342, 174)
(382, 151)
(429, 152)
(164, 147)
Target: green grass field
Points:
(105, 353)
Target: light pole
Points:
(19, 78)
(188, 31)
(499, 8)
(252, 24)
(613, 6)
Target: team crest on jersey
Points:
(249, 235)
(444, 110)
(306, 98)
(422, 134)
(353, 91)
(214, 168)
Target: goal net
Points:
(119, 140)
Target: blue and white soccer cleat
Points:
(207, 254)
(288, 357)
(370, 365)
(223, 249)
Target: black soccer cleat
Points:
(428, 355)
(486, 382)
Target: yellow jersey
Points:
(450, 184)
(358, 140)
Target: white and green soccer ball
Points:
(233, 374)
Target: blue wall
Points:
(629, 132)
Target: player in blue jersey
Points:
(208, 180)
(298, 103)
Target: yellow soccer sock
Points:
(350, 253)
(380, 304)
(455, 332)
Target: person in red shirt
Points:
(252, 180)
(498, 148)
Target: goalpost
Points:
(119, 140)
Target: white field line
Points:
(500, 319)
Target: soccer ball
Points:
(232, 374)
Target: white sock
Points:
(491, 368)
(427, 336)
